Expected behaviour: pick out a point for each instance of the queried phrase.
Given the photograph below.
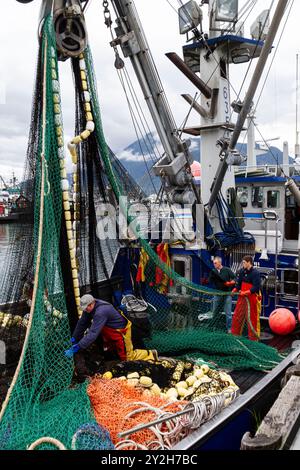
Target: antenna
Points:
(297, 146)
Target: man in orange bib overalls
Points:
(248, 286)
(102, 317)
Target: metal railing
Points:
(268, 170)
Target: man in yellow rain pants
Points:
(101, 317)
(248, 286)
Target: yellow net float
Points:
(66, 194)
(69, 230)
(74, 159)
(67, 215)
(56, 98)
(60, 141)
(76, 140)
(85, 134)
(66, 205)
(71, 244)
(57, 108)
(59, 131)
(77, 292)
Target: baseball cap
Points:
(86, 300)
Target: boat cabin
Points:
(258, 193)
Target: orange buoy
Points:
(282, 321)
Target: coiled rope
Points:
(171, 428)
(47, 440)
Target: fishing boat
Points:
(155, 267)
(13, 205)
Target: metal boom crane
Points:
(71, 37)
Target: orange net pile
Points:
(118, 407)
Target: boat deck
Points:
(245, 379)
(283, 343)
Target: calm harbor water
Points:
(6, 234)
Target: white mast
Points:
(286, 159)
(297, 146)
(251, 153)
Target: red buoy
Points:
(282, 321)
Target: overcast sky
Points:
(18, 51)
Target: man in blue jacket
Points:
(223, 279)
(101, 317)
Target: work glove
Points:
(245, 293)
(73, 340)
(234, 291)
(229, 283)
(69, 353)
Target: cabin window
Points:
(292, 217)
(179, 267)
(182, 265)
(223, 68)
(273, 199)
(290, 200)
(257, 196)
(242, 195)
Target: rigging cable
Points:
(152, 145)
(251, 60)
(263, 87)
(142, 116)
(133, 118)
(136, 125)
(275, 53)
(157, 78)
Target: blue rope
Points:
(232, 233)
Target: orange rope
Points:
(113, 400)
